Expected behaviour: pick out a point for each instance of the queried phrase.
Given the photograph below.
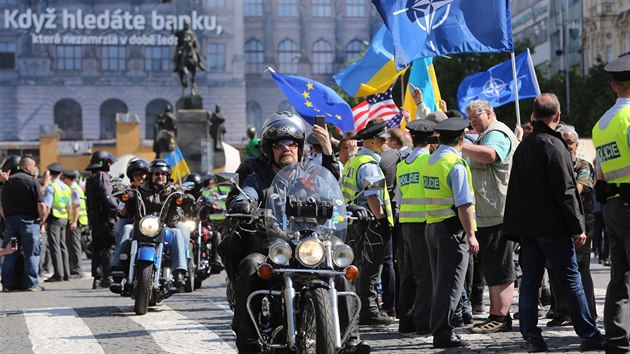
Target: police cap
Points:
(451, 126)
(619, 68)
(373, 129)
(55, 167)
(421, 127)
(72, 174)
(454, 113)
(436, 117)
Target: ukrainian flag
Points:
(375, 72)
(423, 76)
(178, 165)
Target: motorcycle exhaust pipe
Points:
(332, 291)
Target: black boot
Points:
(179, 277)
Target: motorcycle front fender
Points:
(146, 253)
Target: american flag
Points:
(376, 106)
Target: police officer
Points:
(366, 164)
(611, 137)
(57, 199)
(450, 230)
(101, 207)
(78, 221)
(414, 304)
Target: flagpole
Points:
(402, 89)
(518, 111)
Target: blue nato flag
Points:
(311, 98)
(430, 28)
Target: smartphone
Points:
(321, 121)
(13, 242)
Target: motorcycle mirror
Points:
(373, 183)
(227, 178)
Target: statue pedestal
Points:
(190, 102)
(193, 127)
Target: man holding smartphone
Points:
(23, 209)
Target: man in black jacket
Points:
(543, 188)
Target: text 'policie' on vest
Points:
(61, 199)
(611, 145)
(413, 206)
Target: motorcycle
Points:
(203, 236)
(150, 279)
(306, 221)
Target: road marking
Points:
(59, 330)
(178, 334)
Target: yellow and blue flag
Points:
(423, 28)
(422, 76)
(496, 85)
(375, 72)
(179, 167)
(311, 98)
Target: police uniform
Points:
(415, 294)
(366, 164)
(57, 197)
(73, 237)
(447, 185)
(611, 137)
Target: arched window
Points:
(254, 57)
(153, 110)
(354, 50)
(285, 106)
(109, 109)
(254, 115)
(322, 57)
(288, 57)
(69, 120)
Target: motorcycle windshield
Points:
(306, 197)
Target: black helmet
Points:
(160, 165)
(282, 125)
(98, 160)
(251, 131)
(196, 179)
(11, 164)
(137, 164)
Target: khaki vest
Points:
(490, 181)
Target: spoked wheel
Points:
(315, 332)
(190, 279)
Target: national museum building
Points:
(78, 63)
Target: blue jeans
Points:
(26, 230)
(560, 253)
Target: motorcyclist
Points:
(137, 172)
(154, 193)
(282, 143)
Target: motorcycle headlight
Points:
(190, 225)
(150, 226)
(280, 253)
(310, 252)
(343, 256)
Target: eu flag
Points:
(496, 85)
(373, 73)
(430, 28)
(311, 98)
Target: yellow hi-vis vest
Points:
(611, 145)
(350, 187)
(61, 199)
(439, 196)
(83, 218)
(413, 206)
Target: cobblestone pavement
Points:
(70, 317)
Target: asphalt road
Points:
(70, 317)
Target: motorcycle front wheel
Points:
(144, 277)
(316, 332)
(190, 279)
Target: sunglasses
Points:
(285, 143)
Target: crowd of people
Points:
(466, 204)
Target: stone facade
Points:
(606, 33)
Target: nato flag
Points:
(430, 28)
(311, 98)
